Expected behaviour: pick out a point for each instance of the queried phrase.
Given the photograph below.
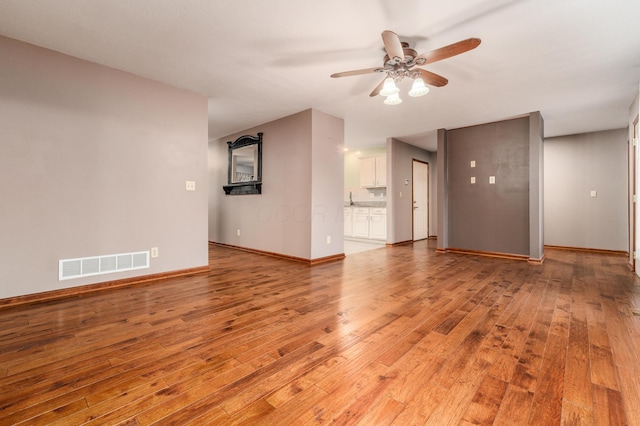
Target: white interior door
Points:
(420, 200)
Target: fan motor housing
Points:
(409, 55)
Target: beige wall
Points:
(400, 208)
(301, 200)
(327, 183)
(574, 166)
(633, 162)
(93, 161)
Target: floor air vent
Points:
(98, 265)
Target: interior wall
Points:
(400, 156)
(536, 187)
(327, 177)
(482, 216)
(93, 161)
(574, 166)
(433, 195)
(280, 219)
(633, 163)
(442, 204)
(217, 177)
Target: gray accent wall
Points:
(443, 192)
(93, 161)
(302, 193)
(536, 186)
(574, 166)
(501, 217)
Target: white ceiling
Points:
(575, 61)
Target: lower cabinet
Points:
(360, 222)
(348, 222)
(365, 222)
(378, 224)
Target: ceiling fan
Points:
(402, 61)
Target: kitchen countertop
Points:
(366, 204)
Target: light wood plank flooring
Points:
(400, 336)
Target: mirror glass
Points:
(244, 164)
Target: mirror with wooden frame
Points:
(244, 173)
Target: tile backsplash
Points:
(365, 195)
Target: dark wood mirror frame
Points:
(254, 185)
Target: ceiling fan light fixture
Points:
(418, 88)
(389, 88)
(400, 61)
(393, 99)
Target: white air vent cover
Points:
(98, 265)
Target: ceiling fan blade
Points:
(356, 72)
(431, 78)
(447, 51)
(378, 88)
(393, 46)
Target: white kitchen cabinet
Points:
(348, 222)
(360, 222)
(381, 170)
(373, 172)
(365, 222)
(367, 172)
(378, 223)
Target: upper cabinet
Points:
(373, 171)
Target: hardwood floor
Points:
(398, 335)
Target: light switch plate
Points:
(492, 180)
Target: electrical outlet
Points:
(191, 185)
(238, 232)
(154, 252)
(473, 179)
(473, 163)
(492, 180)
(594, 194)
